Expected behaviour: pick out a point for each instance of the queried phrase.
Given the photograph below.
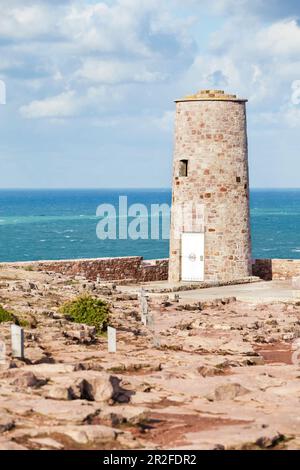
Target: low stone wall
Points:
(154, 270)
(134, 269)
(282, 269)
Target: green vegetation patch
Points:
(23, 322)
(28, 268)
(6, 316)
(87, 310)
(20, 320)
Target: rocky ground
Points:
(214, 375)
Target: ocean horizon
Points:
(37, 224)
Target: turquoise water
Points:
(61, 224)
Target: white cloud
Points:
(70, 103)
(281, 38)
(25, 21)
(115, 71)
(99, 48)
(104, 28)
(258, 61)
(287, 114)
(79, 45)
(295, 94)
(61, 106)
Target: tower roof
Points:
(211, 95)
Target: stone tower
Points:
(210, 223)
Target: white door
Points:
(192, 257)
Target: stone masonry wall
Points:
(133, 269)
(269, 269)
(212, 136)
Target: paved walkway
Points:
(253, 292)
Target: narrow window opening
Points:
(238, 179)
(183, 167)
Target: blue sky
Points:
(91, 86)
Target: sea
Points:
(62, 224)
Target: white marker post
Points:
(2, 352)
(17, 341)
(296, 287)
(145, 311)
(147, 318)
(112, 339)
(144, 307)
